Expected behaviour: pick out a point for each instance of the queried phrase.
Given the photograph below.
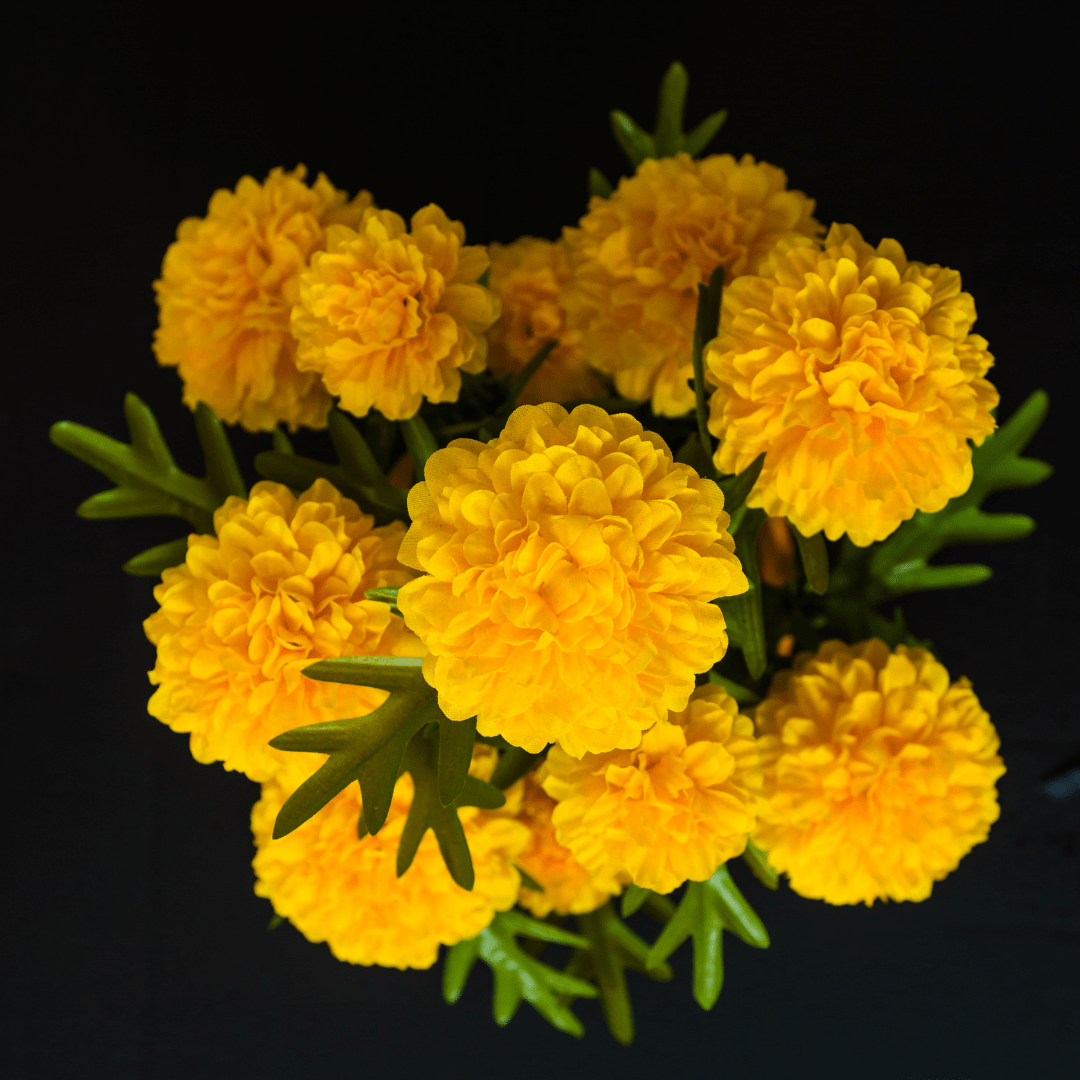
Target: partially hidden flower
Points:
(568, 888)
(527, 276)
(879, 773)
(388, 317)
(226, 292)
(280, 586)
(639, 256)
(855, 372)
(670, 810)
(342, 889)
(570, 568)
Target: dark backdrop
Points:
(137, 946)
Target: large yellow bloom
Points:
(280, 586)
(227, 288)
(570, 568)
(569, 888)
(337, 888)
(388, 317)
(639, 256)
(672, 809)
(527, 276)
(879, 774)
(854, 370)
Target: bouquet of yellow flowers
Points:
(601, 592)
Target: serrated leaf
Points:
(599, 184)
(153, 561)
(696, 141)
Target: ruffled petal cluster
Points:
(389, 317)
(338, 888)
(879, 773)
(639, 256)
(672, 809)
(569, 889)
(570, 568)
(226, 292)
(280, 586)
(855, 372)
(527, 276)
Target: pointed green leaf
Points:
(382, 672)
(917, 576)
(707, 320)
(513, 764)
(632, 899)
(610, 977)
(125, 502)
(746, 607)
(740, 693)
(759, 864)
(736, 488)
(528, 881)
(418, 762)
(275, 921)
(636, 143)
(153, 561)
(815, 559)
(354, 454)
(386, 594)
(599, 184)
(669, 111)
(281, 442)
(696, 141)
(477, 792)
(522, 925)
(222, 472)
(457, 966)
(507, 996)
(738, 915)
(678, 928)
(521, 380)
(456, 738)
(419, 440)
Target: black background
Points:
(137, 946)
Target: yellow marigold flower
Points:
(854, 370)
(526, 276)
(568, 887)
(227, 288)
(672, 809)
(570, 568)
(337, 888)
(639, 256)
(879, 774)
(389, 317)
(280, 586)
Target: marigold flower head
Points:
(879, 774)
(569, 889)
(639, 256)
(280, 586)
(527, 276)
(570, 568)
(388, 317)
(672, 809)
(226, 291)
(854, 370)
(338, 888)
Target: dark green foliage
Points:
(706, 910)
(706, 324)
(513, 764)
(153, 561)
(758, 862)
(519, 976)
(599, 184)
(420, 441)
(815, 560)
(743, 613)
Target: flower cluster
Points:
(854, 371)
(226, 291)
(639, 256)
(570, 568)
(879, 773)
(279, 586)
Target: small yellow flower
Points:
(639, 256)
(568, 887)
(227, 288)
(571, 565)
(337, 888)
(280, 586)
(669, 811)
(855, 372)
(527, 276)
(388, 317)
(879, 774)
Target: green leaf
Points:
(706, 323)
(382, 672)
(916, 576)
(696, 141)
(419, 440)
(737, 487)
(528, 881)
(614, 947)
(741, 694)
(222, 472)
(281, 442)
(745, 610)
(275, 921)
(148, 480)
(706, 910)
(758, 861)
(632, 899)
(635, 143)
(815, 559)
(153, 561)
(385, 595)
(518, 976)
(456, 739)
(668, 139)
(512, 765)
(521, 380)
(599, 184)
